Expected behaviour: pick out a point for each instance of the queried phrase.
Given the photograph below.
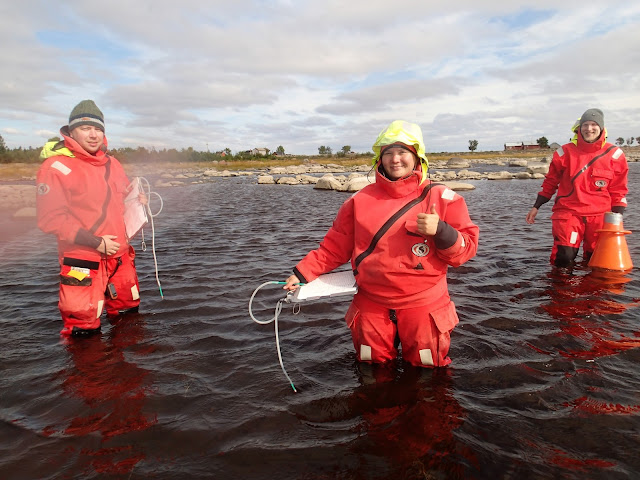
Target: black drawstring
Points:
(118, 263)
(394, 319)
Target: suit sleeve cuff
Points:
(619, 209)
(88, 239)
(540, 201)
(446, 236)
(300, 276)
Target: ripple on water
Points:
(544, 381)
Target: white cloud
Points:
(303, 74)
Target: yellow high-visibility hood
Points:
(50, 150)
(403, 132)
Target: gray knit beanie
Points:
(86, 113)
(594, 115)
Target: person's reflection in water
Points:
(114, 391)
(409, 419)
(581, 300)
(576, 392)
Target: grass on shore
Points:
(18, 171)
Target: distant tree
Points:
(630, 140)
(346, 149)
(324, 150)
(637, 139)
(227, 151)
(620, 141)
(473, 144)
(3, 146)
(54, 139)
(543, 142)
(280, 150)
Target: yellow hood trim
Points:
(49, 150)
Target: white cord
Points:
(148, 193)
(278, 309)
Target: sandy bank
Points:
(20, 200)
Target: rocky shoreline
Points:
(351, 179)
(19, 199)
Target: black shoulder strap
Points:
(387, 225)
(584, 169)
(105, 205)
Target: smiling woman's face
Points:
(398, 162)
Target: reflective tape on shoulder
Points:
(617, 153)
(560, 152)
(61, 167)
(448, 194)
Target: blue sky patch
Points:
(90, 41)
(523, 18)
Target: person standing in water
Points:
(401, 234)
(80, 200)
(589, 177)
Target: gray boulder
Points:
(518, 162)
(287, 181)
(499, 176)
(266, 180)
(357, 183)
(457, 162)
(542, 168)
(328, 182)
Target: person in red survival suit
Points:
(590, 176)
(80, 199)
(401, 234)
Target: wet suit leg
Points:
(124, 278)
(372, 331)
(567, 236)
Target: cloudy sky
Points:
(241, 74)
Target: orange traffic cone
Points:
(611, 252)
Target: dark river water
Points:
(545, 379)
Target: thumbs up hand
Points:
(428, 222)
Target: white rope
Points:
(278, 309)
(147, 190)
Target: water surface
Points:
(544, 381)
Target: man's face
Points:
(590, 131)
(88, 137)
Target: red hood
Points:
(100, 157)
(399, 188)
(591, 147)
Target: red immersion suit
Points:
(80, 198)
(401, 275)
(590, 179)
